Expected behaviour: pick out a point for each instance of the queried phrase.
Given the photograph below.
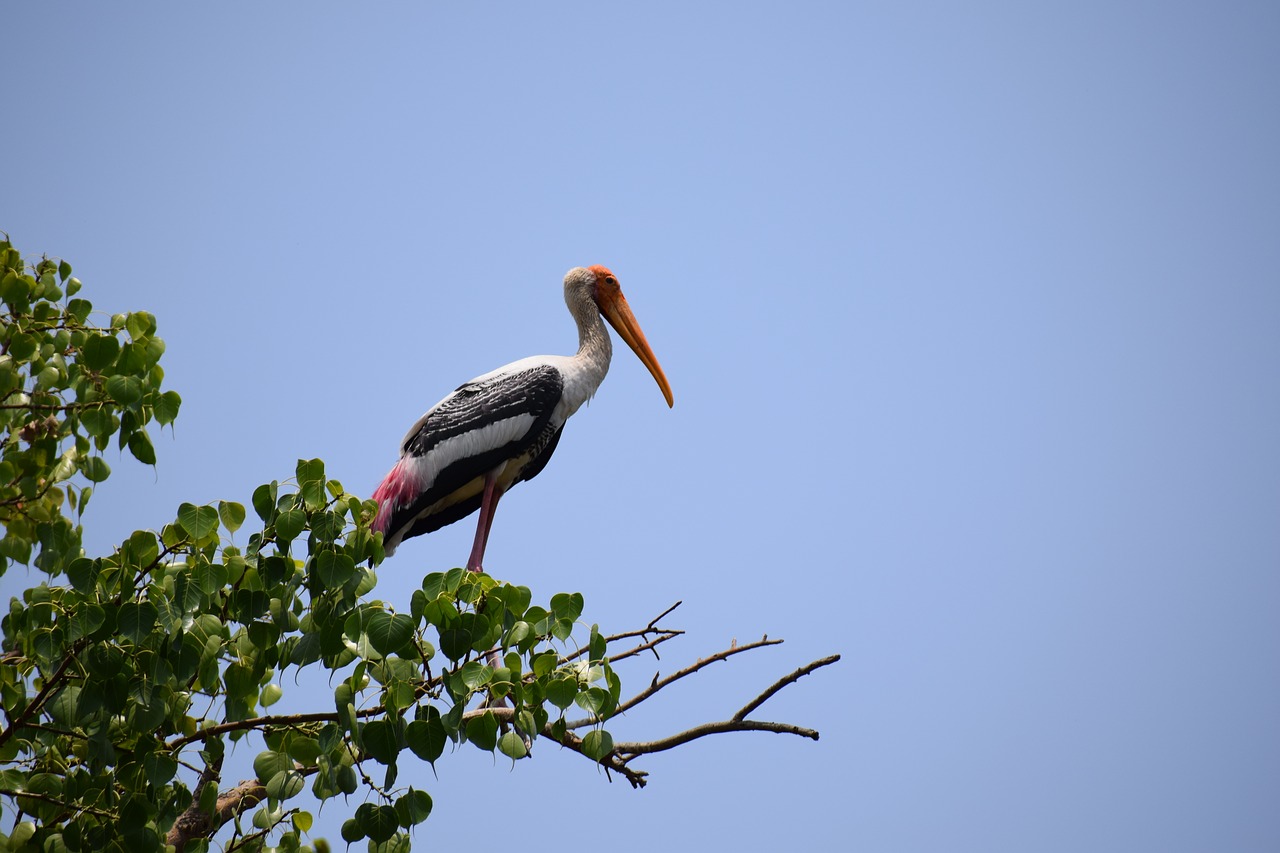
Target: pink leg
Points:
(488, 503)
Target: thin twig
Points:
(651, 628)
(658, 684)
(644, 647)
(45, 798)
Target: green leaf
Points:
(567, 605)
(83, 574)
(476, 674)
(135, 620)
(543, 663)
(519, 632)
(379, 740)
(207, 627)
(289, 524)
(232, 515)
(99, 422)
(271, 694)
(483, 731)
(311, 482)
(304, 750)
(125, 390)
(159, 767)
(95, 470)
(427, 738)
(512, 745)
(198, 521)
(334, 568)
(379, 823)
(78, 310)
(347, 781)
(209, 578)
(594, 700)
(388, 633)
(267, 764)
(413, 808)
(597, 644)
(22, 346)
(264, 501)
(86, 619)
(241, 682)
(99, 351)
(141, 448)
(351, 831)
(166, 408)
(597, 744)
(285, 784)
(140, 324)
(265, 818)
(562, 690)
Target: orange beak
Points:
(615, 309)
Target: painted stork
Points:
(502, 427)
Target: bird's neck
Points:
(591, 362)
(595, 348)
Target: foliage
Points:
(67, 387)
(148, 661)
(125, 677)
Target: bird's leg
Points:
(488, 503)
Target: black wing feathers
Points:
(476, 407)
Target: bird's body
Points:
(501, 428)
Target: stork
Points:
(501, 428)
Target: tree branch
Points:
(195, 822)
(258, 723)
(657, 684)
(628, 750)
(45, 692)
(781, 683)
(651, 628)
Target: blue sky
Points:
(972, 316)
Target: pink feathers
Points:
(397, 489)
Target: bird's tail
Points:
(395, 492)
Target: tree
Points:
(125, 676)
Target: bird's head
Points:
(600, 285)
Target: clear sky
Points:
(972, 315)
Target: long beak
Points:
(618, 313)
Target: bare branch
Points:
(658, 684)
(630, 750)
(781, 683)
(643, 647)
(651, 628)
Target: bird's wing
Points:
(483, 423)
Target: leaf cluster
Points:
(152, 659)
(68, 387)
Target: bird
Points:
(501, 428)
